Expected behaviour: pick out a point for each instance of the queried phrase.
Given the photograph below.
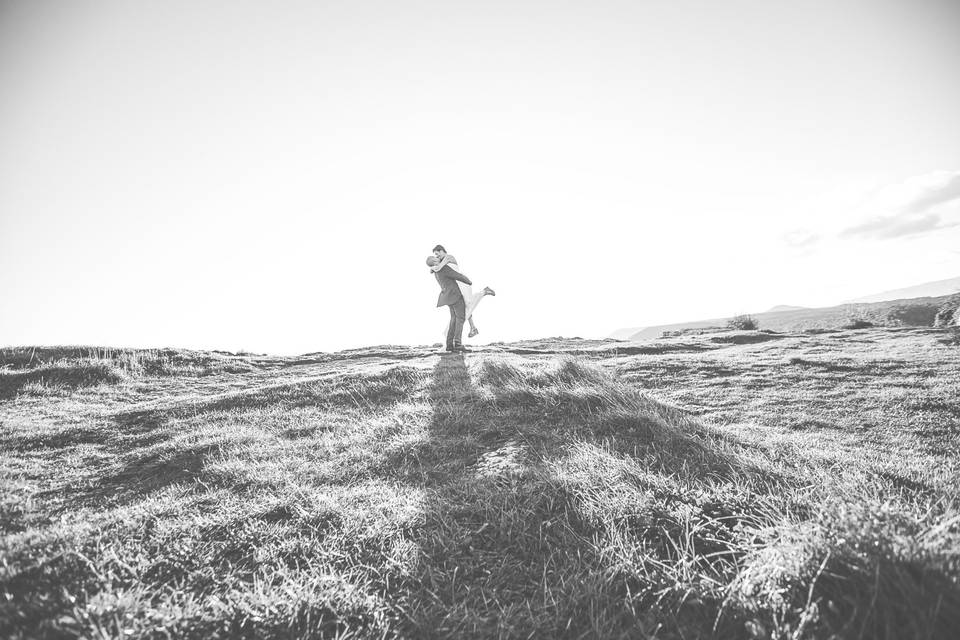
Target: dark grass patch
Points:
(844, 365)
(143, 473)
(805, 362)
(747, 337)
(860, 571)
(951, 337)
(62, 438)
(901, 481)
(944, 407)
(87, 373)
(300, 432)
(858, 323)
(887, 597)
(811, 424)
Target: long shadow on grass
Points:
(483, 540)
(507, 548)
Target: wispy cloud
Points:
(801, 238)
(883, 227)
(909, 208)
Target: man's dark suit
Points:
(450, 296)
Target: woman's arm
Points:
(441, 264)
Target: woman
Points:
(441, 259)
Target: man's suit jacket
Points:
(449, 290)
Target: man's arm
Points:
(446, 260)
(456, 275)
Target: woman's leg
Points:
(473, 302)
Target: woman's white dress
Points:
(470, 299)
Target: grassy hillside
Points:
(891, 313)
(733, 485)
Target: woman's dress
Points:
(470, 299)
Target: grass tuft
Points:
(743, 322)
(60, 376)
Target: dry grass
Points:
(59, 376)
(136, 362)
(786, 487)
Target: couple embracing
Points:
(456, 292)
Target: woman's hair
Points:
(431, 260)
(439, 247)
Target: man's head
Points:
(439, 251)
(432, 260)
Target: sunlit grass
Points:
(797, 487)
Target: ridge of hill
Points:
(932, 289)
(723, 485)
(907, 312)
(785, 307)
(820, 317)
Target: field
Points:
(723, 485)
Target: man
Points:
(450, 296)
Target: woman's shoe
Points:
(472, 333)
(489, 291)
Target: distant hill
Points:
(904, 312)
(784, 307)
(625, 333)
(925, 290)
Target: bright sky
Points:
(270, 176)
